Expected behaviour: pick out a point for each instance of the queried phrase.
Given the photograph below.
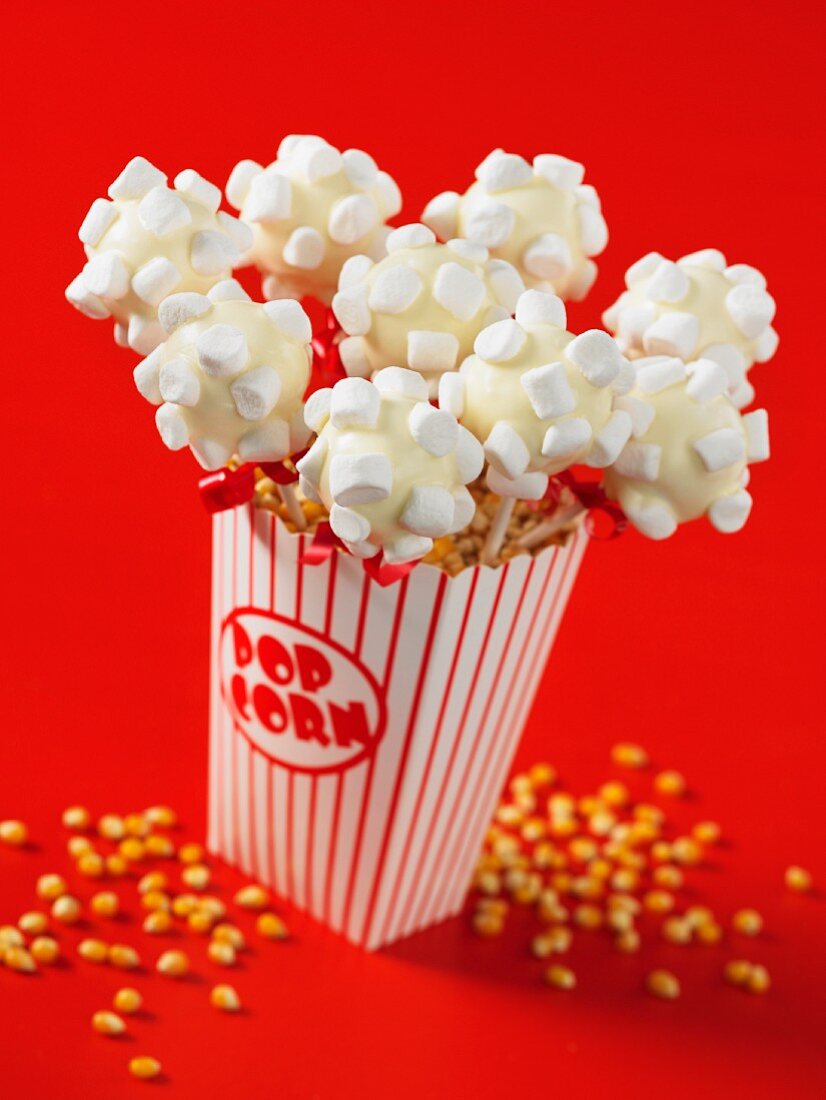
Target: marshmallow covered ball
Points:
(700, 306)
(540, 217)
(539, 398)
(689, 451)
(231, 376)
(148, 241)
(310, 210)
(422, 306)
(390, 468)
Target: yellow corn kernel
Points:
(221, 953)
(116, 865)
(127, 1000)
(698, 915)
(644, 811)
(687, 851)
(707, 832)
(488, 882)
(747, 922)
(155, 899)
(534, 829)
(207, 903)
(11, 936)
(542, 775)
(44, 950)
(184, 904)
(560, 939)
(488, 924)
(76, 817)
(669, 876)
(628, 942)
(91, 865)
(225, 998)
(587, 888)
(132, 849)
(105, 903)
(152, 881)
(624, 879)
(624, 901)
(505, 846)
(144, 1066)
(228, 933)
(798, 879)
(561, 882)
(614, 794)
(670, 782)
(620, 920)
(77, 846)
(66, 909)
(158, 922)
(635, 860)
(676, 930)
(108, 1023)
(758, 980)
(561, 826)
(161, 816)
(560, 977)
(271, 926)
(136, 825)
(529, 891)
(661, 852)
(95, 951)
(196, 876)
(111, 827)
(508, 814)
(33, 922)
(662, 983)
(658, 901)
(14, 833)
(525, 802)
(709, 933)
(252, 897)
(589, 804)
(51, 887)
(173, 964)
(628, 755)
(159, 847)
(191, 853)
(600, 869)
(541, 946)
(562, 804)
(583, 848)
(19, 959)
(737, 971)
(200, 921)
(124, 957)
(587, 916)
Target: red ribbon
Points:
(383, 574)
(591, 496)
(327, 368)
(228, 488)
(325, 543)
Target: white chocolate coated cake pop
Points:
(540, 217)
(390, 468)
(539, 398)
(689, 451)
(700, 306)
(310, 210)
(148, 241)
(231, 376)
(422, 306)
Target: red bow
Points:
(228, 488)
(327, 368)
(591, 496)
(325, 543)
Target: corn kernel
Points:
(707, 832)
(33, 923)
(132, 849)
(758, 980)
(799, 879)
(108, 1023)
(620, 920)
(589, 804)
(560, 977)
(104, 904)
(77, 846)
(661, 852)
(116, 865)
(737, 971)
(676, 930)
(208, 903)
(698, 915)
(153, 881)
(669, 876)
(488, 882)
(191, 853)
(534, 829)
(225, 998)
(44, 949)
(158, 922)
(615, 794)
(252, 897)
(658, 901)
(144, 1067)
(196, 876)
(508, 814)
(643, 811)
(76, 817)
(541, 946)
(95, 951)
(601, 869)
(587, 916)
(624, 901)
(155, 899)
(127, 1000)
(709, 933)
(200, 921)
(136, 825)
(159, 847)
(173, 964)
(625, 879)
(271, 926)
(662, 983)
(51, 887)
(560, 939)
(687, 851)
(628, 942)
(19, 959)
(161, 816)
(110, 826)
(66, 909)
(221, 953)
(14, 833)
(228, 933)
(542, 775)
(124, 957)
(488, 924)
(91, 865)
(11, 936)
(670, 782)
(629, 755)
(747, 922)
(184, 904)
(602, 822)
(583, 848)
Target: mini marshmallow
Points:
(500, 342)
(593, 230)
(610, 440)
(720, 448)
(537, 308)
(658, 373)
(442, 214)
(194, 186)
(240, 182)
(354, 271)
(359, 168)
(529, 486)
(672, 334)
(290, 319)
(177, 309)
(355, 403)
(729, 514)
(348, 524)
(161, 211)
(757, 435)
(468, 250)
(597, 356)
(156, 280)
(489, 222)
(640, 411)
(178, 383)
(452, 394)
(136, 180)
(506, 450)
(705, 257)
(409, 236)
(352, 311)
(256, 393)
(639, 461)
(548, 390)
(435, 430)
(429, 511)
(171, 427)
(560, 171)
(78, 293)
(708, 379)
(669, 283)
(360, 478)
(395, 290)
(504, 171)
(222, 351)
(751, 309)
(317, 409)
(566, 439)
(352, 218)
(269, 442)
(304, 249)
(107, 276)
(470, 456)
(269, 199)
(401, 382)
(432, 351)
(101, 216)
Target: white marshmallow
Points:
(669, 283)
(156, 280)
(655, 520)
(502, 172)
(644, 267)
(146, 376)
(707, 380)
(470, 458)
(228, 290)
(317, 409)
(407, 548)
(161, 211)
(548, 257)
(659, 373)
(240, 181)
(610, 440)
(429, 511)
(452, 394)
(464, 509)
(78, 293)
(195, 187)
(672, 334)
(720, 448)
(751, 309)
(442, 214)
(360, 169)
(360, 478)
(212, 253)
(596, 355)
(711, 258)
(354, 270)
(311, 465)
(354, 358)
(729, 513)
(269, 442)
(222, 351)
(290, 319)
(745, 273)
(561, 172)
(459, 291)
(469, 250)
(256, 393)
(171, 427)
(137, 178)
(395, 289)
(528, 486)
(348, 525)
(402, 382)
(269, 199)
(304, 248)
(500, 342)
(435, 430)
(766, 345)
(107, 276)
(352, 218)
(355, 403)
(505, 282)
(548, 390)
(633, 321)
(432, 351)
(536, 307)
(178, 382)
(142, 335)
(409, 236)
(641, 413)
(316, 160)
(566, 438)
(639, 461)
(506, 450)
(593, 230)
(757, 435)
(102, 214)
(351, 310)
(490, 223)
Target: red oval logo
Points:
(297, 695)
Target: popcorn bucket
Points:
(360, 734)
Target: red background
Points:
(699, 125)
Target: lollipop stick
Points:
(550, 526)
(498, 530)
(294, 509)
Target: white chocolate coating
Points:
(310, 210)
(422, 306)
(540, 399)
(729, 304)
(231, 376)
(539, 217)
(389, 467)
(151, 241)
(689, 453)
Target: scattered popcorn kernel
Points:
(191, 853)
(676, 930)
(620, 920)
(252, 897)
(200, 921)
(14, 833)
(737, 971)
(132, 849)
(184, 904)
(560, 977)
(225, 998)
(173, 964)
(155, 899)
(587, 916)
(66, 909)
(658, 901)
(105, 903)
(51, 887)
(76, 817)
(583, 848)
(669, 876)
(488, 924)
(196, 876)
(91, 865)
(670, 782)
(542, 775)
(11, 936)
(662, 983)
(615, 794)
(661, 852)
(76, 846)
(221, 953)
(161, 816)
(116, 865)
(709, 933)
(747, 922)
(799, 879)
(643, 811)
(698, 915)
(624, 880)
(628, 942)
(124, 957)
(159, 847)
(108, 1023)
(19, 959)
(95, 951)
(758, 980)
(111, 827)
(687, 851)
(158, 922)
(707, 832)
(136, 825)
(33, 923)
(144, 1067)
(271, 926)
(127, 1000)
(44, 950)
(629, 755)
(152, 881)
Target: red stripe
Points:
(299, 578)
(233, 736)
(371, 767)
(308, 882)
(222, 721)
(331, 588)
(365, 592)
(414, 820)
(437, 811)
(402, 768)
(328, 881)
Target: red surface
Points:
(698, 125)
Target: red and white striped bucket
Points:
(360, 734)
